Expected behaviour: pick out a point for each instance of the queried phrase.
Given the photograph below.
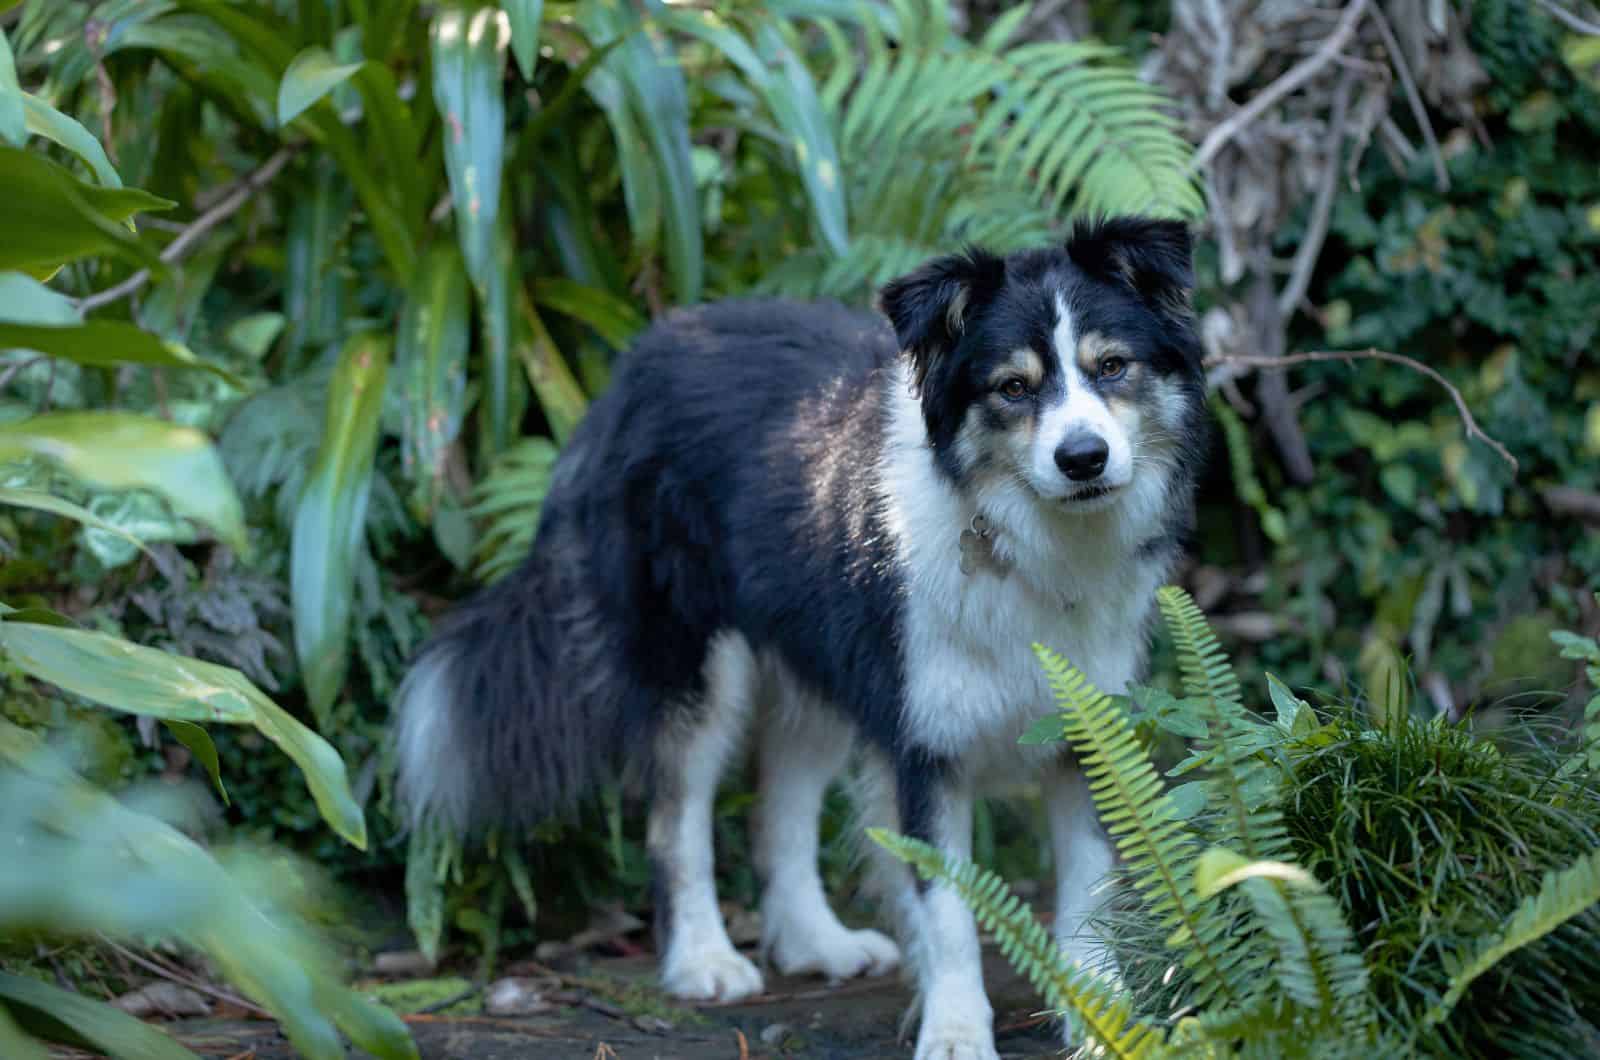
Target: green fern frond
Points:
(1105, 1011)
(1562, 896)
(1203, 664)
(1318, 963)
(508, 501)
(1088, 130)
(1157, 847)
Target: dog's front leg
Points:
(939, 929)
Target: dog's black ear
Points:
(1153, 256)
(930, 307)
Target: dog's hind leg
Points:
(803, 746)
(693, 745)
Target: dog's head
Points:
(1069, 370)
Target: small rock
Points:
(162, 998)
(774, 1033)
(516, 997)
(653, 1024)
(744, 925)
(401, 962)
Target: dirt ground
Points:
(797, 1017)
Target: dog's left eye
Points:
(1014, 389)
(1112, 368)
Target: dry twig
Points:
(1397, 56)
(228, 205)
(1305, 258)
(1297, 75)
(1568, 19)
(192, 982)
(1468, 421)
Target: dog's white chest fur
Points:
(1072, 582)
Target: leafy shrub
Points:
(1326, 888)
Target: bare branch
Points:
(1468, 422)
(1310, 249)
(1569, 500)
(198, 229)
(1392, 45)
(1568, 19)
(1297, 75)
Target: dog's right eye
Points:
(1014, 389)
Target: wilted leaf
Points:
(312, 75)
(121, 450)
(1218, 869)
(330, 520)
(130, 677)
(50, 217)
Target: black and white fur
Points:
(759, 526)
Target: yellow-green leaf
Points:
(103, 343)
(469, 61)
(50, 217)
(431, 355)
(524, 16)
(110, 1029)
(121, 450)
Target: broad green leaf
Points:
(44, 120)
(392, 133)
(45, 502)
(1187, 799)
(103, 343)
(50, 217)
(130, 677)
(330, 518)
(24, 300)
(431, 356)
(1290, 707)
(198, 741)
(94, 1023)
(524, 16)
(254, 335)
(1574, 646)
(612, 318)
(469, 61)
(1181, 717)
(122, 450)
(504, 389)
(312, 75)
(13, 122)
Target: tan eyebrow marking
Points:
(1024, 362)
(1096, 347)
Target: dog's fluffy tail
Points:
(488, 732)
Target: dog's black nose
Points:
(1082, 456)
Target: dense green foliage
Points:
(1409, 889)
(394, 248)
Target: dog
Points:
(844, 530)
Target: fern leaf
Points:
(1156, 845)
(1562, 896)
(1203, 664)
(1106, 1011)
(1318, 964)
(508, 500)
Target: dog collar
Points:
(977, 547)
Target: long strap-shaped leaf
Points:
(331, 516)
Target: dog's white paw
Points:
(718, 974)
(835, 952)
(950, 1042)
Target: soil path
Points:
(798, 1017)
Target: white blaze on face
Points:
(1078, 409)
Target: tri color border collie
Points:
(847, 536)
